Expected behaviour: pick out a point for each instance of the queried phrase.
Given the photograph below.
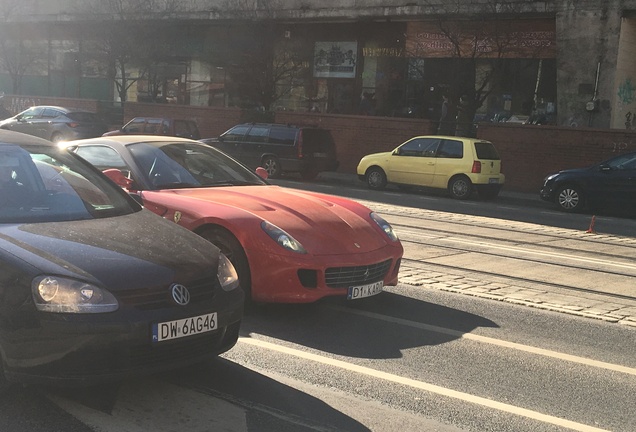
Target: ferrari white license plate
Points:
(184, 327)
(357, 292)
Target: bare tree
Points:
(128, 34)
(263, 62)
(17, 53)
(477, 39)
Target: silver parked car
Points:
(56, 123)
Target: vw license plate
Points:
(356, 292)
(493, 180)
(184, 327)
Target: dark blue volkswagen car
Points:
(92, 286)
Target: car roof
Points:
(131, 139)
(17, 138)
(63, 109)
(162, 118)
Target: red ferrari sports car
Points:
(288, 246)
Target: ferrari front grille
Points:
(344, 277)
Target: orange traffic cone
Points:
(590, 230)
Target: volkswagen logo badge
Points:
(180, 294)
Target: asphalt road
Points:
(498, 324)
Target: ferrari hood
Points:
(137, 250)
(322, 224)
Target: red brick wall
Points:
(528, 152)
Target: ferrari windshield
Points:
(181, 165)
(41, 183)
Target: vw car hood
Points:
(322, 224)
(140, 246)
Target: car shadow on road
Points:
(379, 327)
(212, 395)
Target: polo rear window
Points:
(486, 151)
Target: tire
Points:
(460, 187)
(272, 166)
(233, 250)
(376, 178)
(570, 199)
(57, 137)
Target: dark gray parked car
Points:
(56, 123)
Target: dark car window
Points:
(47, 184)
(258, 134)
(186, 129)
(51, 113)
(623, 162)
(153, 127)
(420, 147)
(167, 165)
(486, 150)
(235, 134)
(135, 126)
(31, 113)
(285, 136)
(451, 149)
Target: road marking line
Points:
(489, 403)
(497, 342)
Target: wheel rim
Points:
(569, 199)
(460, 188)
(271, 167)
(375, 179)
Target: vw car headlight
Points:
(226, 273)
(63, 295)
(384, 226)
(282, 238)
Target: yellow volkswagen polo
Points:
(459, 165)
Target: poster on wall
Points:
(335, 59)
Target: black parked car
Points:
(280, 148)
(610, 184)
(56, 123)
(92, 286)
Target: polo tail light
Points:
(300, 144)
(72, 124)
(476, 167)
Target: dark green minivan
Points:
(280, 148)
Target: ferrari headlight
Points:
(384, 226)
(63, 295)
(282, 238)
(226, 273)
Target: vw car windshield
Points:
(40, 183)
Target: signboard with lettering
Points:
(489, 39)
(335, 59)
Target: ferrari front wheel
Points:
(232, 249)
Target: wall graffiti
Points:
(19, 104)
(621, 146)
